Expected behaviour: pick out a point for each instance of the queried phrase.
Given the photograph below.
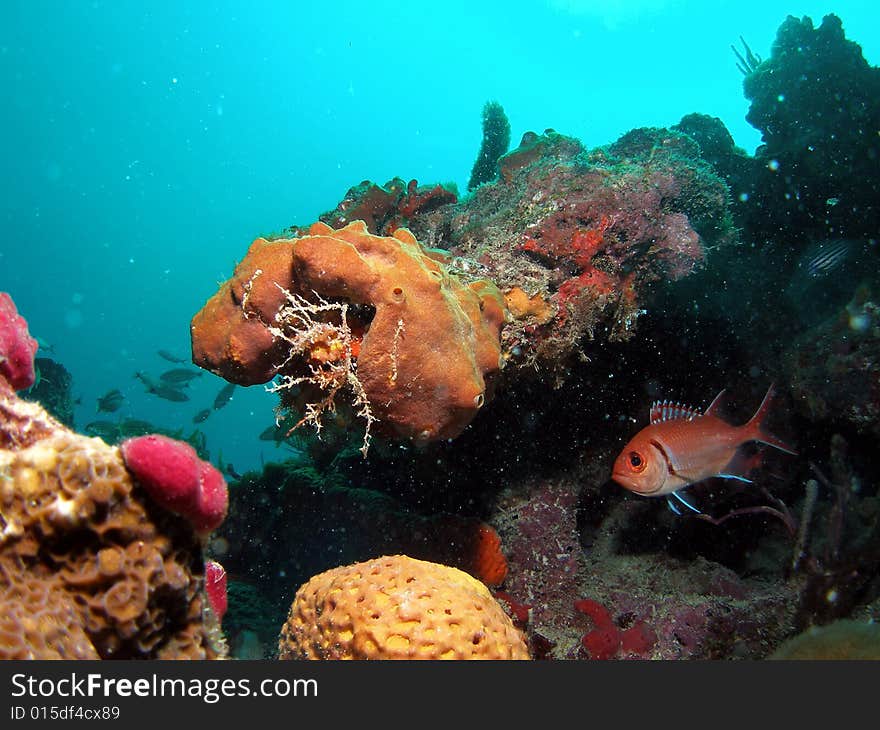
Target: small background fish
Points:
(826, 275)
(170, 357)
(202, 415)
(160, 389)
(224, 396)
(110, 401)
(179, 376)
(106, 430)
(137, 427)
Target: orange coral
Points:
(430, 344)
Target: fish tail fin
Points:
(754, 430)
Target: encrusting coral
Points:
(396, 607)
(381, 316)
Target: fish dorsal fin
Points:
(664, 410)
(712, 410)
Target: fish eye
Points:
(636, 462)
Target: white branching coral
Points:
(318, 333)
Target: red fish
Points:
(682, 446)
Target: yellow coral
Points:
(397, 607)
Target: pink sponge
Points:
(17, 347)
(177, 479)
(215, 587)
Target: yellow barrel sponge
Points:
(397, 607)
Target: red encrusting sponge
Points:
(17, 347)
(177, 479)
(215, 588)
(606, 640)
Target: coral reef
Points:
(573, 238)
(733, 164)
(838, 548)
(384, 208)
(396, 607)
(494, 351)
(537, 526)
(815, 176)
(90, 566)
(585, 233)
(833, 369)
(418, 347)
(496, 141)
(582, 242)
(596, 598)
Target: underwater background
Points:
(146, 146)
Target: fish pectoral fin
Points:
(687, 504)
(734, 476)
(672, 506)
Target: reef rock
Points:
(576, 238)
(815, 101)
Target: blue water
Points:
(146, 144)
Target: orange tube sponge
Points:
(396, 607)
(427, 346)
(230, 334)
(488, 561)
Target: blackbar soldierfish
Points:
(682, 446)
